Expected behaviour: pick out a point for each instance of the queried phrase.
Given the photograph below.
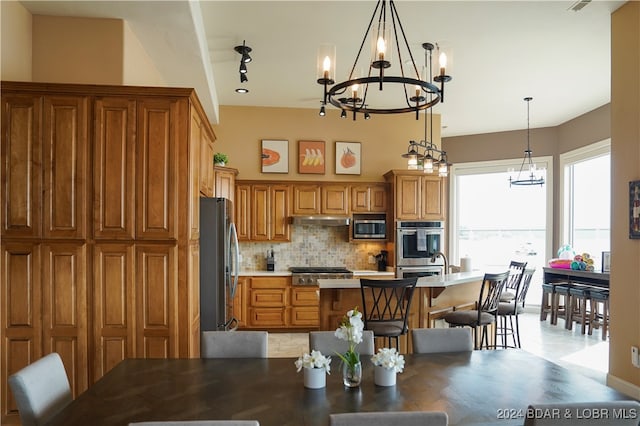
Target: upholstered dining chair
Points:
(386, 305)
(234, 344)
(199, 423)
(599, 413)
(509, 292)
(41, 390)
(327, 343)
(438, 340)
(508, 311)
(486, 311)
(387, 418)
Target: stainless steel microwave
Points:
(366, 229)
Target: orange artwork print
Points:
(275, 156)
(348, 158)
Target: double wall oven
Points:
(417, 243)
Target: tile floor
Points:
(588, 355)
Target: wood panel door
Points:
(65, 161)
(113, 306)
(156, 169)
(260, 212)
(113, 168)
(378, 200)
(408, 197)
(360, 198)
(280, 230)
(243, 212)
(433, 203)
(20, 322)
(156, 301)
(21, 215)
(193, 302)
(64, 309)
(335, 199)
(306, 199)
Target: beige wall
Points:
(625, 167)
(77, 50)
(383, 139)
(15, 42)
(138, 69)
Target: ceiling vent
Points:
(577, 6)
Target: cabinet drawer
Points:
(305, 316)
(305, 296)
(268, 317)
(269, 282)
(269, 298)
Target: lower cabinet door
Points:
(268, 317)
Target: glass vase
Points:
(352, 374)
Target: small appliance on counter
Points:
(271, 261)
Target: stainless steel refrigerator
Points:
(219, 260)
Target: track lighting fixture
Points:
(244, 60)
(244, 51)
(243, 78)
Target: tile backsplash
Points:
(311, 246)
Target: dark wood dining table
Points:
(474, 388)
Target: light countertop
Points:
(286, 273)
(432, 281)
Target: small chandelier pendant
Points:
(528, 175)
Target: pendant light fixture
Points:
(415, 93)
(244, 51)
(427, 159)
(528, 175)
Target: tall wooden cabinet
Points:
(417, 196)
(100, 226)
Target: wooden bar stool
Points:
(579, 296)
(561, 309)
(547, 300)
(599, 297)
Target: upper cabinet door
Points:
(433, 202)
(65, 166)
(21, 160)
(408, 197)
(306, 199)
(335, 199)
(113, 168)
(156, 173)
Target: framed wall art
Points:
(606, 261)
(311, 157)
(348, 158)
(275, 156)
(634, 209)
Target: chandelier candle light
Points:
(535, 176)
(353, 95)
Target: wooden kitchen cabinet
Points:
(240, 301)
(305, 311)
(225, 182)
(262, 211)
(417, 196)
(369, 198)
(100, 227)
(268, 300)
(330, 199)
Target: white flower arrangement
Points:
(389, 358)
(314, 360)
(351, 329)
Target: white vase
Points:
(315, 378)
(384, 376)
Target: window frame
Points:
(584, 153)
(493, 166)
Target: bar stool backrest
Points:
(492, 286)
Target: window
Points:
(586, 199)
(494, 223)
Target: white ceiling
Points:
(499, 52)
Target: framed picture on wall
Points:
(634, 209)
(311, 157)
(348, 158)
(606, 261)
(275, 156)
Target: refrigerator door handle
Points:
(235, 251)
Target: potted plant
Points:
(316, 366)
(220, 159)
(351, 329)
(388, 362)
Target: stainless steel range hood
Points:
(320, 220)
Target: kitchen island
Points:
(435, 296)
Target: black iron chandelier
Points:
(353, 94)
(528, 175)
(431, 159)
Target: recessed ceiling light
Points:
(242, 90)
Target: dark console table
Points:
(557, 275)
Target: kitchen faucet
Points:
(446, 262)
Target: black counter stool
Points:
(507, 311)
(577, 311)
(561, 308)
(599, 297)
(516, 269)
